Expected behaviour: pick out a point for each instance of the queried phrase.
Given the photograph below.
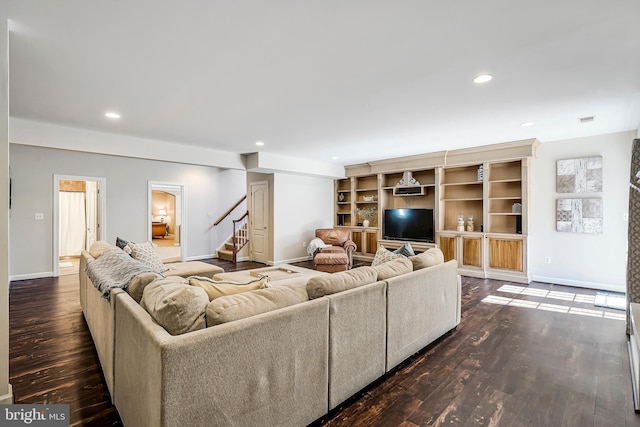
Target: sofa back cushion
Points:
(220, 288)
(238, 306)
(141, 281)
(334, 236)
(99, 247)
(328, 284)
(177, 307)
(394, 268)
(429, 258)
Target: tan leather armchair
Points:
(340, 241)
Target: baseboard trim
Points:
(30, 276)
(201, 257)
(579, 284)
(291, 260)
(7, 399)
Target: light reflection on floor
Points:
(557, 295)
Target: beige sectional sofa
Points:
(286, 367)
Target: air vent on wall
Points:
(586, 119)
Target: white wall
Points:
(585, 260)
(209, 192)
(300, 205)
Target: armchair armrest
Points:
(349, 246)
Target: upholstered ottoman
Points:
(331, 262)
(192, 268)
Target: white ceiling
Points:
(359, 79)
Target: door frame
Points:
(183, 212)
(102, 212)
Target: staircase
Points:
(237, 241)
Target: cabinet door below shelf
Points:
(506, 254)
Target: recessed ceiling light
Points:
(334, 158)
(482, 78)
(526, 124)
(259, 143)
(112, 115)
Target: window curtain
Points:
(72, 223)
(633, 260)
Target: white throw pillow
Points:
(146, 254)
(383, 255)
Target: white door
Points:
(259, 222)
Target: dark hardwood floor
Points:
(521, 356)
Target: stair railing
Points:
(228, 212)
(240, 234)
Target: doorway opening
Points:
(78, 219)
(166, 225)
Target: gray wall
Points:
(209, 192)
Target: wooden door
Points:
(506, 254)
(472, 251)
(448, 247)
(259, 221)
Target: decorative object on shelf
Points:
(341, 197)
(408, 180)
(583, 175)
(460, 223)
(470, 225)
(480, 173)
(369, 198)
(579, 216)
(366, 214)
(516, 208)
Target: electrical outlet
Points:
(304, 244)
(39, 216)
(547, 260)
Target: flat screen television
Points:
(408, 224)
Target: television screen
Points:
(408, 224)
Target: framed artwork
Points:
(583, 175)
(579, 215)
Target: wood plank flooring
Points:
(522, 356)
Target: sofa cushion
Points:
(393, 268)
(146, 254)
(141, 281)
(383, 255)
(429, 258)
(405, 250)
(99, 247)
(235, 307)
(121, 243)
(220, 288)
(328, 284)
(177, 307)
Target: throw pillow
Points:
(141, 281)
(216, 289)
(328, 284)
(239, 306)
(433, 256)
(383, 255)
(99, 247)
(121, 243)
(405, 250)
(394, 268)
(146, 254)
(177, 307)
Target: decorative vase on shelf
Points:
(365, 223)
(460, 226)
